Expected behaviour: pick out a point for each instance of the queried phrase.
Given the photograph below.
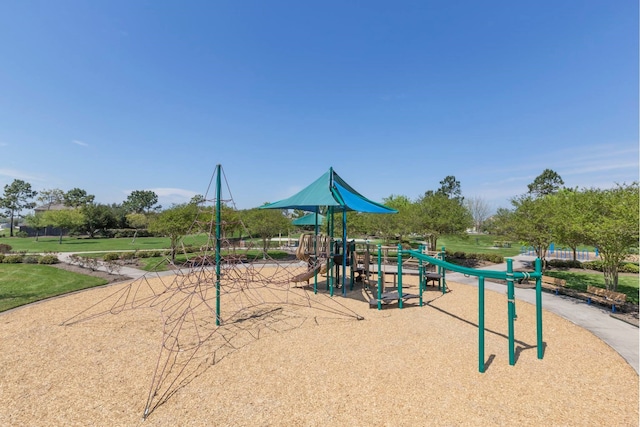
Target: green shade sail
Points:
(330, 190)
(309, 219)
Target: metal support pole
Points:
(380, 284)
(420, 275)
(399, 270)
(218, 239)
(512, 311)
(540, 344)
(442, 272)
(481, 324)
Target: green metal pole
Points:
(481, 324)
(379, 277)
(512, 311)
(539, 308)
(218, 239)
(344, 253)
(317, 258)
(399, 270)
(442, 272)
(420, 276)
(330, 282)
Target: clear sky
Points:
(120, 95)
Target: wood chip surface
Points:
(306, 363)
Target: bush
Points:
(49, 259)
(127, 255)
(22, 234)
(4, 248)
(1, 257)
(560, 263)
(111, 256)
(629, 267)
(12, 259)
(31, 259)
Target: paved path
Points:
(621, 336)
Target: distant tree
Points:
(64, 219)
(399, 225)
(479, 210)
(17, 196)
(50, 197)
(265, 224)
(437, 215)
(77, 197)
(97, 218)
(198, 199)
(451, 188)
(548, 182)
(141, 201)
(533, 223)
(174, 223)
(138, 221)
(501, 223)
(568, 218)
(35, 221)
(611, 224)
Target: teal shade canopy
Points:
(332, 191)
(309, 219)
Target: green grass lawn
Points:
(477, 243)
(25, 283)
(627, 284)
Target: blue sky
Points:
(121, 95)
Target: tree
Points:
(174, 223)
(501, 223)
(35, 221)
(63, 219)
(141, 201)
(611, 225)
(532, 222)
(479, 210)
(54, 196)
(396, 226)
(137, 221)
(265, 224)
(568, 218)
(16, 197)
(76, 198)
(97, 218)
(548, 182)
(437, 215)
(450, 187)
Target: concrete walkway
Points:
(621, 336)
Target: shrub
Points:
(561, 263)
(111, 256)
(22, 234)
(1, 257)
(31, 259)
(12, 259)
(127, 255)
(49, 259)
(4, 248)
(629, 267)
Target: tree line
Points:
(547, 213)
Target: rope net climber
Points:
(216, 301)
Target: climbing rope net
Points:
(208, 310)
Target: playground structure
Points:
(255, 290)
